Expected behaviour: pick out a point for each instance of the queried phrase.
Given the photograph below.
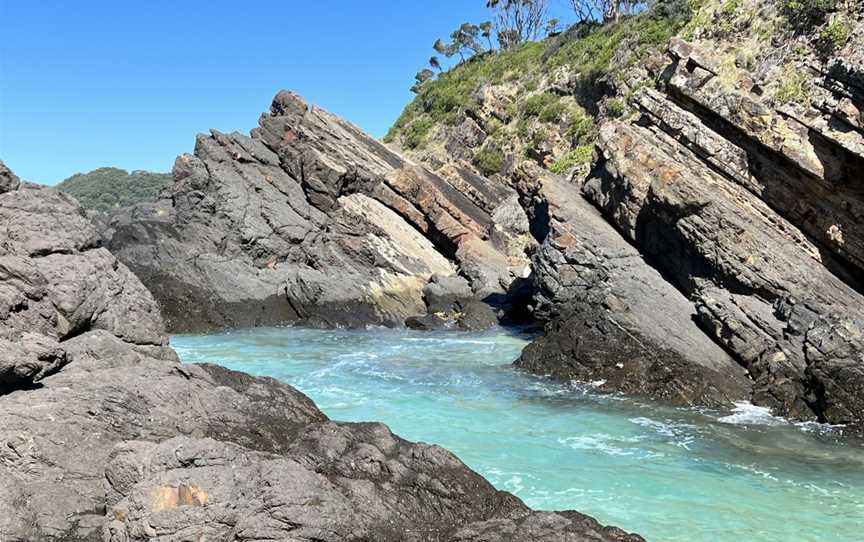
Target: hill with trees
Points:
(110, 188)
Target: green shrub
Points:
(545, 106)
(793, 89)
(553, 112)
(730, 7)
(576, 157)
(534, 105)
(726, 16)
(805, 14)
(615, 108)
(581, 128)
(415, 134)
(835, 35)
(489, 160)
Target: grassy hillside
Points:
(543, 100)
(108, 188)
(538, 100)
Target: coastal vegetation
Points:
(526, 74)
(109, 188)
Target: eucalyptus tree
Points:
(605, 10)
(435, 63)
(518, 21)
(421, 77)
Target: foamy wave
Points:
(599, 442)
(749, 414)
(679, 434)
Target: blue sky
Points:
(96, 83)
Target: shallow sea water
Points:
(668, 474)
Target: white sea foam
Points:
(600, 442)
(679, 434)
(746, 413)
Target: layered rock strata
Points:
(310, 220)
(752, 211)
(613, 320)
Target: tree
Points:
(605, 10)
(435, 63)
(464, 39)
(518, 21)
(445, 49)
(552, 26)
(421, 77)
(486, 32)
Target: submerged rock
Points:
(104, 435)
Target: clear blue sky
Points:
(92, 83)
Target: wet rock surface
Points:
(104, 435)
(310, 220)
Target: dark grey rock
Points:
(758, 283)
(443, 293)
(476, 315)
(104, 435)
(430, 322)
(612, 319)
(309, 220)
(8, 180)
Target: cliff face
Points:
(752, 206)
(310, 220)
(105, 436)
(708, 249)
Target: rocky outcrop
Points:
(104, 435)
(310, 220)
(720, 255)
(613, 320)
(752, 214)
(8, 180)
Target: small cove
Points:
(668, 474)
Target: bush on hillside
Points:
(806, 14)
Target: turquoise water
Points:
(665, 473)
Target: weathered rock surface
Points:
(613, 319)
(8, 180)
(752, 214)
(104, 435)
(310, 220)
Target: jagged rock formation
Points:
(748, 211)
(730, 173)
(613, 319)
(310, 220)
(104, 435)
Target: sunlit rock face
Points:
(310, 220)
